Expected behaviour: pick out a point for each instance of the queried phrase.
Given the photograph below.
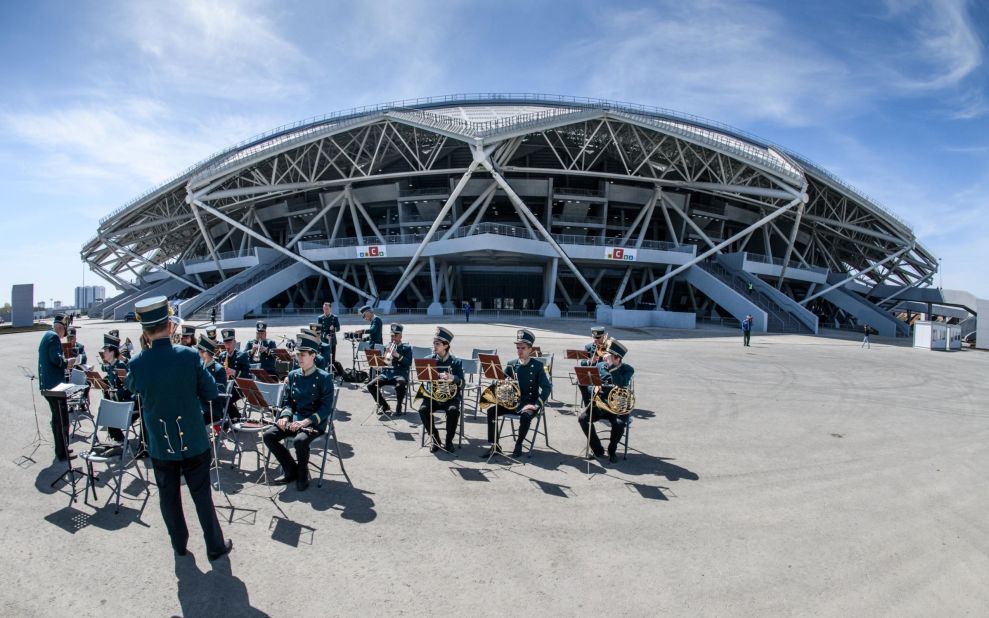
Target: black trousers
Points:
(585, 394)
(400, 384)
(168, 477)
(452, 411)
(617, 429)
(525, 420)
(301, 440)
(746, 335)
(60, 425)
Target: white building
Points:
(88, 295)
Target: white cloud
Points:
(719, 58)
(943, 47)
(229, 49)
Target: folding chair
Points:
(476, 351)
(254, 401)
(442, 423)
(539, 426)
(78, 404)
(116, 415)
(628, 429)
(472, 382)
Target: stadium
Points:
(520, 204)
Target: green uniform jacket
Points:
(616, 376)
(400, 364)
(116, 383)
(532, 379)
(328, 327)
(172, 384)
(374, 331)
(51, 363)
(267, 358)
(452, 365)
(309, 397)
(220, 377)
(239, 362)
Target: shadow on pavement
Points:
(214, 593)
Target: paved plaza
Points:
(800, 476)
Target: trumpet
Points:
(389, 354)
(256, 351)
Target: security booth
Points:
(937, 336)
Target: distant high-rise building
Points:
(89, 294)
(41, 304)
(57, 304)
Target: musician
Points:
(261, 349)
(211, 333)
(173, 384)
(329, 324)
(614, 372)
(127, 351)
(397, 375)
(450, 370)
(373, 332)
(236, 364)
(188, 336)
(78, 350)
(212, 409)
(534, 386)
(111, 363)
(599, 341)
(52, 365)
(320, 361)
(305, 416)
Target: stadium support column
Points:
(435, 307)
(716, 248)
(549, 308)
(145, 260)
(525, 212)
(857, 274)
(412, 268)
(264, 239)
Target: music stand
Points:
(491, 369)
(263, 376)
(283, 356)
(591, 378)
(64, 391)
(375, 360)
(577, 355)
(38, 438)
(426, 372)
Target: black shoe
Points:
(384, 409)
(302, 483)
(449, 446)
(613, 458)
(517, 451)
(399, 412)
(434, 447)
(228, 547)
(285, 479)
(181, 552)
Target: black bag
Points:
(354, 376)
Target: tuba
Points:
(620, 401)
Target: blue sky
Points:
(102, 100)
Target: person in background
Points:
(51, 372)
(467, 311)
(866, 331)
(746, 330)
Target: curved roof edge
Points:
(425, 103)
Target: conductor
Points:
(173, 384)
